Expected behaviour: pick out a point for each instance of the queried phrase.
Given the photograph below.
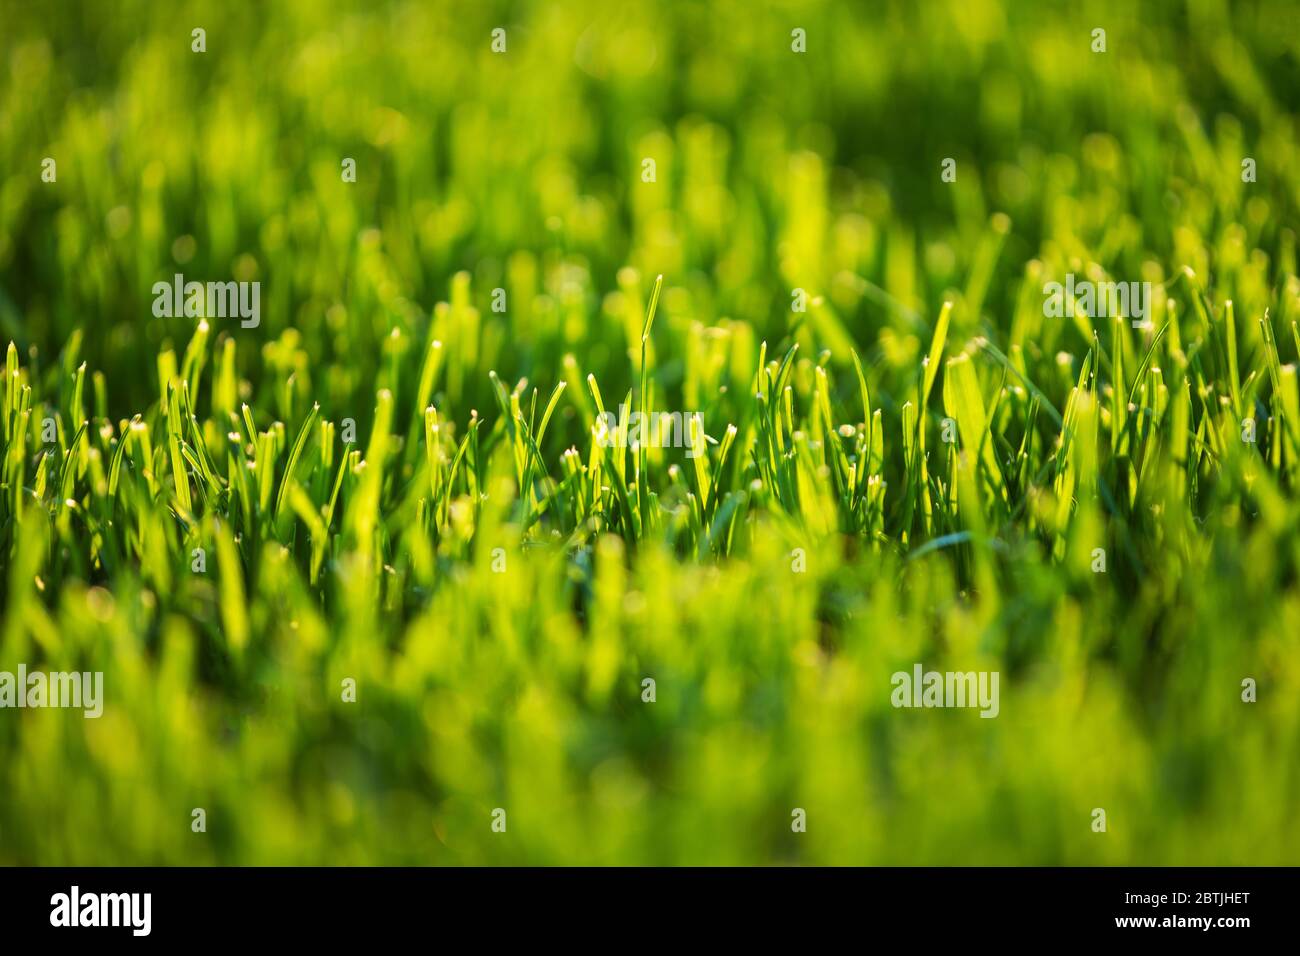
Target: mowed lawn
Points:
(331, 334)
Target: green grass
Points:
(498, 583)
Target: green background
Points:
(521, 689)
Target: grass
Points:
(390, 483)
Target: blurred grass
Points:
(374, 560)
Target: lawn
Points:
(582, 413)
